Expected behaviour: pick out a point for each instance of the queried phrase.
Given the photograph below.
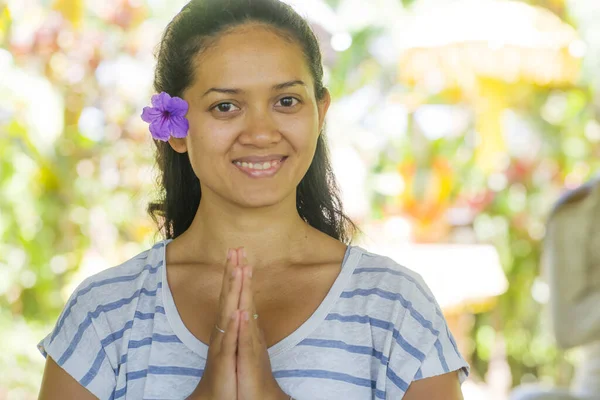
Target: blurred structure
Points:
(571, 265)
(483, 47)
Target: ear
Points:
(178, 144)
(323, 106)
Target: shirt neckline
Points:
(351, 258)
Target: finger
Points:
(246, 293)
(230, 264)
(247, 305)
(230, 295)
(246, 298)
(261, 335)
(245, 338)
(242, 256)
(229, 344)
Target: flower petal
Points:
(179, 126)
(149, 114)
(177, 106)
(161, 100)
(160, 129)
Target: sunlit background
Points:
(455, 127)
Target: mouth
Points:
(260, 167)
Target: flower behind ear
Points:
(167, 117)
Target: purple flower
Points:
(167, 117)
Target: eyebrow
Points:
(279, 86)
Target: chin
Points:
(261, 199)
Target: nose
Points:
(260, 129)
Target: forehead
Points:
(251, 55)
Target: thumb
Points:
(261, 336)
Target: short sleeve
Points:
(443, 357)
(74, 344)
(423, 346)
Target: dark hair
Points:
(195, 28)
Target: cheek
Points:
(212, 139)
(208, 145)
(302, 132)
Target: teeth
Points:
(257, 166)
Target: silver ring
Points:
(219, 329)
(255, 316)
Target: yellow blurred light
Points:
(481, 46)
(72, 10)
(500, 39)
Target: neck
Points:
(271, 235)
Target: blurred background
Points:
(455, 127)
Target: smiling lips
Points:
(260, 167)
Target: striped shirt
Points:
(378, 329)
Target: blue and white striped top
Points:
(378, 329)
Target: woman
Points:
(571, 263)
(253, 227)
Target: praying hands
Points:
(238, 365)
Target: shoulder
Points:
(97, 314)
(575, 198)
(112, 290)
(574, 215)
(141, 272)
(398, 295)
(422, 344)
(383, 273)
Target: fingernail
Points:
(229, 254)
(250, 272)
(233, 314)
(234, 272)
(246, 316)
(244, 251)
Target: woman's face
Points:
(254, 118)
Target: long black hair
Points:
(195, 28)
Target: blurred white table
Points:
(460, 276)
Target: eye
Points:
(288, 102)
(225, 107)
